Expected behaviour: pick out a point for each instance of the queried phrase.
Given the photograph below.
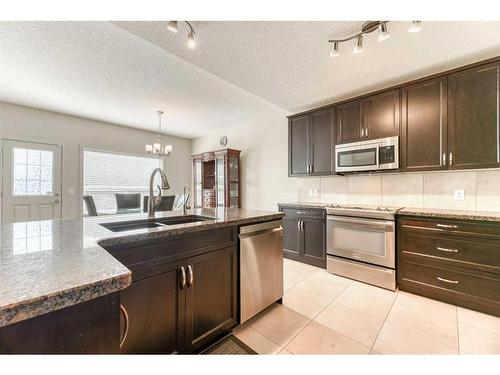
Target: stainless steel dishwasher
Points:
(261, 267)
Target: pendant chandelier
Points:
(157, 148)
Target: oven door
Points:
(366, 240)
(357, 158)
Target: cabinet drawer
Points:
(456, 228)
(209, 193)
(304, 212)
(486, 286)
(465, 253)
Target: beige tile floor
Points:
(327, 314)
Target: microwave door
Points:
(353, 159)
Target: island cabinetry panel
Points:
(311, 141)
(455, 261)
(304, 235)
(183, 294)
(91, 327)
(424, 126)
(473, 115)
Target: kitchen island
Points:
(57, 265)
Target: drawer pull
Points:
(447, 250)
(301, 213)
(447, 281)
(448, 226)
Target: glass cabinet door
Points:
(234, 184)
(220, 181)
(197, 183)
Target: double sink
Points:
(123, 226)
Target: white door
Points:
(31, 181)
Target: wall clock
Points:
(223, 141)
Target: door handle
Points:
(451, 158)
(302, 225)
(56, 201)
(183, 277)
(190, 278)
(366, 132)
(444, 159)
(298, 225)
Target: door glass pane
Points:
(358, 158)
(32, 172)
(220, 181)
(352, 237)
(197, 183)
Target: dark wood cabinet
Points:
(424, 126)
(183, 294)
(304, 235)
(473, 115)
(310, 144)
(211, 297)
(373, 117)
(349, 122)
(154, 307)
(455, 261)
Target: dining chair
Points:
(89, 203)
(128, 201)
(166, 204)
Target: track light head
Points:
(335, 49)
(191, 43)
(358, 44)
(383, 33)
(415, 27)
(172, 26)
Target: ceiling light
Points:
(383, 34)
(358, 45)
(415, 27)
(191, 43)
(335, 49)
(172, 26)
(157, 148)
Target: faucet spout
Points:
(154, 201)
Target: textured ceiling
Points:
(287, 63)
(100, 71)
(122, 72)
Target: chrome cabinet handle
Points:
(366, 132)
(447, 250)
(312, 168)
(447, 280)
(451, 158)
(298, 225)
(362, 133)
(127, 324)
(448, 226)
(183, 277)
(190, 276)
(444, 159)
(302, 225)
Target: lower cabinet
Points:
(182, 306)
(455, 261)
(304, 235)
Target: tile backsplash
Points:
(430, 190)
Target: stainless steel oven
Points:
(361, 244)
(372, 155)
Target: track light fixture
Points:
(367, 28)
(191, 42)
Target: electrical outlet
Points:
(315, 192)
(311, 192)
(459, 195)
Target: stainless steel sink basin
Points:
(123, 226)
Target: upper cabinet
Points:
(424, 126)
(373, 117)
(310, 143)
(473, 116)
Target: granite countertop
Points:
(451, 214)
(52, 264)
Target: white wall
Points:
(428, 190)
(263, 143)
(74, 133)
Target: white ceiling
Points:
(122, 72)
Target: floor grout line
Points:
(383, 323)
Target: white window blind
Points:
(106, 174)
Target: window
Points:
(33, 172)
(106, 174)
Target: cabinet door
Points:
(211, 297)
(424, 126)
(314, 246)
(320, 142)
(381, 115)
(349, 122)
(197, 182)
(291, 240)
(473, 105)
(154, 306)
(297, 145)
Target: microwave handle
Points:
(378, 156)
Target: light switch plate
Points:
(459, 195)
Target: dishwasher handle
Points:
(265, 226)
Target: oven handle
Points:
(377, 224)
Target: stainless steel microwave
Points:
(373, 155)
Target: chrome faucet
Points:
(154, 201)
(184, 204)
